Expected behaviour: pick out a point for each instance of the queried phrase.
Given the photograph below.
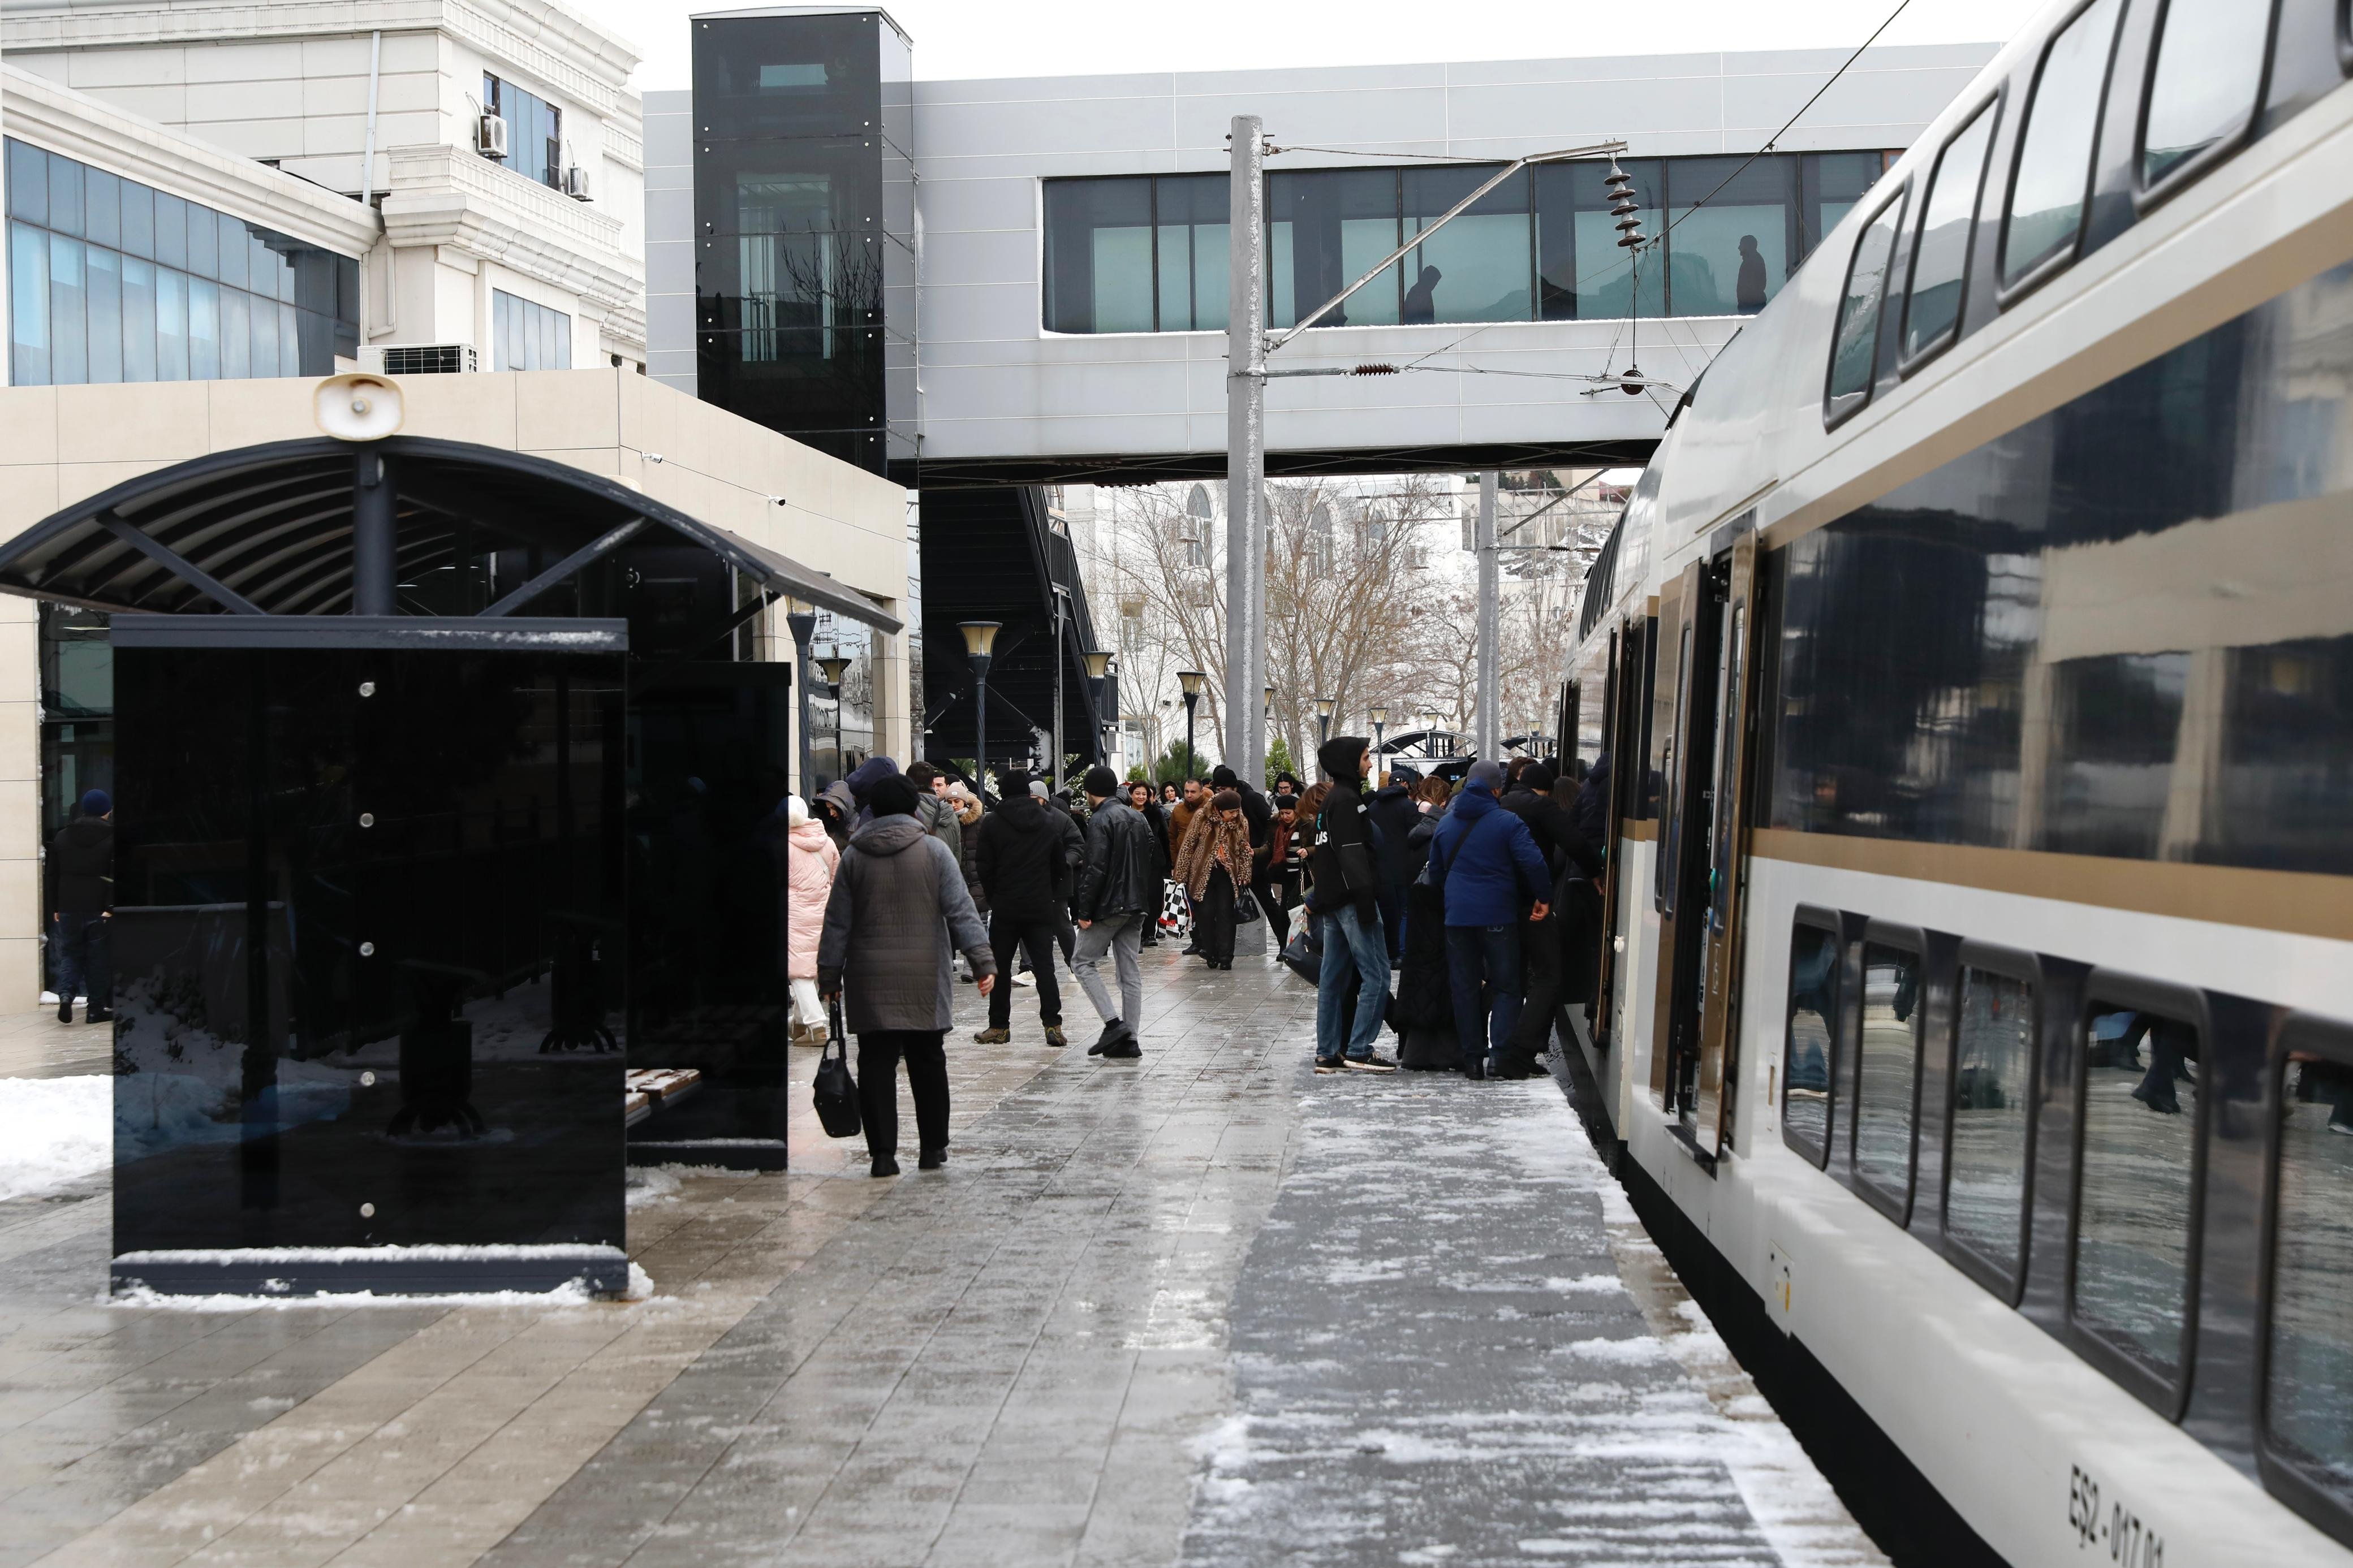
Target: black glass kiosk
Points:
(430, 915)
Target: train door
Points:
(1727, 858)
(1712, 631)
(1621, 730)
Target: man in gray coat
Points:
(897, 910)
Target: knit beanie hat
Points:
(1101, 781)
(891, 796)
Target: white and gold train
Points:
(1973, 668)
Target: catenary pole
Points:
(1245, 737)
(1487, 736)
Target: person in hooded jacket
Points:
(810, 859)
(1025, 866)
(1592, 808)
(897, 907)
(861, 782)
(1345, 873)
(1496, 877)
(835, 807)
(1394, 813)
(932, 808)
(81, 878)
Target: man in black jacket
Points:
(1571, 857)
(1394, 813)
(1119, 890)
(1346, 876)
(81, 876)
(1025, 870)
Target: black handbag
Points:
(834, 1092)
(1245, 907)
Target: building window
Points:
(1148, 253)
(528, 336)
(112, 282)
(534, 130)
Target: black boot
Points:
(885, 1165)
(65, 1009)
(931, 1159)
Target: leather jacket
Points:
(1122, 872)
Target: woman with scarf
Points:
(1214, 864)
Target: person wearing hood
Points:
(837, 808)
(1344, 875)
(81, 878)
(810, 859)
(1025, 868)
(1075, 851)
(897, 910)
(932, 810)
(968, 809)
(1215, 866)
(1574, 863)
(1118, 895)
(862, 780)
(1393, 814)
(1495, 877)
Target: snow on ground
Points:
(54, 1132)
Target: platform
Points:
(1204, 1308)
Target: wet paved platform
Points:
(1206, 1307)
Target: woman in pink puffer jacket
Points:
(812, 860)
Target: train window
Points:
(2205, 84)
(1882, 1125)
(1986, 1170)
(1809, 1041)
(1940, 253)
(2132, 1272)
(2308, 1378)
(1854, 348)
(2048, 193)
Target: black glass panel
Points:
(787, 76)
(413, 860)
(2098, 633)
(710, 747)
(2137, 1183)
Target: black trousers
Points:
(1545, 966)
(1213, 919)
(1037, 939)
(878, 1087)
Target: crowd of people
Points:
(1479, 900)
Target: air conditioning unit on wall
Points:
(427, 359)
(491, 136)
(575, 183)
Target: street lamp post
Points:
(836, 665)
(980, 647)
(1429, 717)
(1192, 680)
(1379, 714)
(1098, 663)
(1324, 706)
(803, 623)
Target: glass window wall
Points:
(534, 131)
(1148, 253)
(112, 281)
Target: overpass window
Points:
(1809, 1062)
(1148, 252)
(1887, 1075)
(2137, 1188)
(112, 282)
(1854, 348)
(1940, 253)
(2308, 1396)
(2047, 196)
(2209, 68)
(1993, 1089)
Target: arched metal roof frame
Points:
(270, 527)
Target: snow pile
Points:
(54, 1132)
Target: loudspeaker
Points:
(357, 408)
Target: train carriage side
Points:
(1975, 667)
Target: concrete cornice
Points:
(542, 38)
(445, 197)
(59, 119)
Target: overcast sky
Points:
(963, 38)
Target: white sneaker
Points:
(1025, 978)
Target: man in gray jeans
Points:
(1118, 889)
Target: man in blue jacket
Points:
(1495, 877)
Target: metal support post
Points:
(802, 623)
(376, 535)
(1488, 732)
(1245, 738)
(1062, 601)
